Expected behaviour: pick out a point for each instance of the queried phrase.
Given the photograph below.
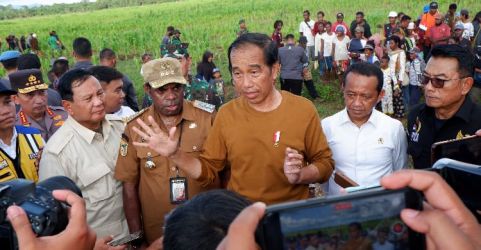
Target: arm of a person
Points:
(301, 33)
(402, 66)
(304, 58)
(400, 148)
(321, 55)
(333, 52)
(131, 203)
(131, 97)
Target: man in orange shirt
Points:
(428, 20)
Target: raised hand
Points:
(293, 163)
(156, 139)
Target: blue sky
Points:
(31, 2)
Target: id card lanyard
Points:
(178, 184)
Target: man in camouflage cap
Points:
(32, 98)
(152, 184)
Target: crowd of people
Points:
(153, 169)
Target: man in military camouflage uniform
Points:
(152, 184)
(32, 97)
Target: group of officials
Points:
(269, 143)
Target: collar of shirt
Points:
(344, 118)
(187, 113)
(11, 149)
(87, 134)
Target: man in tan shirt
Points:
(152, 183)
(85, 150)
(272, 139)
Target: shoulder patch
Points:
(26, 130)
(207, 107)
(58, 145)
(132, 117)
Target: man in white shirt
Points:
(111, 81)
(468, 26)
(366, 144)
(305, 29)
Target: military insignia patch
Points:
(123, 147)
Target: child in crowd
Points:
(415, 69)
(218, 84)
(389, 78)
(369, 55)
(325, 58)
(340, 48)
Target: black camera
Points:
(47, 215)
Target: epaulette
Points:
(132, 117)
(207, 107)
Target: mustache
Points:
(173, 102)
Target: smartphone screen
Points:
(367, 220)
(466, 150)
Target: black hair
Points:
(262, 41)
(395, 39)
(386, 57)
(82, 47)
(463, 56)
(10, 63)
(321, 12)
(202, 223)
(453, 6)
(72, 78)
(307, 11)
(59, 67)
(405, 18)
(289, 36)
(106, 54)
(105, 74)
(277, 22)
(328, 22)
(360, 13)
(366, 69)
(29, 61)
(170, 28)
(145, 55)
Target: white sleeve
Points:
(300, 28)
(402, 65)
(50, 165)
(400, 156)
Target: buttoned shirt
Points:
(88, 158)
(53, 120)
(365, 153)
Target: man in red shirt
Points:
(440, 32)
(340, 21)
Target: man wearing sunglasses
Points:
(448, 112)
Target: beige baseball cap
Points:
(160, 72)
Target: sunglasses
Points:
(436, 82)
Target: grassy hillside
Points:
(205, 24)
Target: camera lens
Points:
(60, 182)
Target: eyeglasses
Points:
(436, 82)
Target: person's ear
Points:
(466, 85)
(15, 99)
(381, 95)
(275, 71)
(67, 105)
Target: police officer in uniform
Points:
(20, 147)
(32, 98)
(152, 184)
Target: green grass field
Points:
(205, 24)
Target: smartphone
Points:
(467, 149)
(330, 222)
(125, 240)
(465, 179)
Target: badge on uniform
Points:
(277, 138)
(415, 130)
(178, 190)
(123, 147)
(204, 106)
(149, 163)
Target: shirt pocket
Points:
(98, 185)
